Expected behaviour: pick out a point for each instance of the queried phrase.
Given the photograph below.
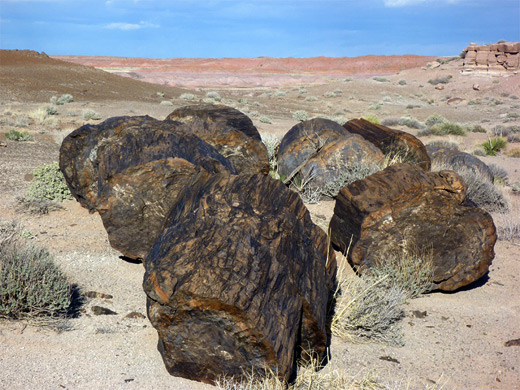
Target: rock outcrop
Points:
(495, 58)
(390, 141)
(239, 280)
(455, 159)
(130, 170)
(404, 205)
(229, 131)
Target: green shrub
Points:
(265, 119)
(65, 98)
(311, 99)
(411, 122)
(14, 135)
(329, 94)
(280, 93)
(160, 94)
(300, 115)
(31, 285)
(441, 80)
(478, 129)
(494, 145)
(213, 95)
(442, 144)
(166, 103)
(90, 114)
(380, 79)
(372, 118)
(188, 96)
(448, 129)
(271, 143)
(435, 119)
(402, 82)
(48, 184)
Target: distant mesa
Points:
(495, 58)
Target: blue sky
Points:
(253, 28)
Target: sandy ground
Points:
(459, 344)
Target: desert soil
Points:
(458, 344)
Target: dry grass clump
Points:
(347, 175)
(271, 143)
(31, 285)
(508, 225)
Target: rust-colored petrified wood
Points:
(239, 280)
(229, 131)
(391, 141)
(130, 170)
(406, 206)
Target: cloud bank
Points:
(131, 26)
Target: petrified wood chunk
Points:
(130, 170)
(238, 280)
(229, 131)
(348, 151)
(453, 159)
(391, 141)
(406, 205)
(303, 142)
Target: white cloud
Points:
(131, 26)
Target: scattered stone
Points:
(130, 170)
(229, 131)
(476, 87)
(99, 310)
(419, 314)
(512, 343)
(389, 359)
(391, 141)
(439, 87)
(136, 315)
(95, 294)
(427, 211)
(239, 280)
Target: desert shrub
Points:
(38, 207)
(499, 173)
(380, 79)
(448, 129)
(90, 114)
(300, 115)
(347, 175)
(513, 138)
(410, 122)
(435, 119)
(479, 190)
(160, 94)
(265, 119)
(479, 152)
(48, 184)
(474, 102)
(65, 98)
(375, 106)
(311, 99)
(441, 80)
(213, 95)
(43, 115)
(31, 285)
(402, 82)
(366, 309)
(494, 145)
(514, 153)
(188, 96)
(442, 144)
(166, 103)
(387, 99)
(391, 121)
(280, 93)
(372, 118)
(14, 135)
(478, 129)
(271, 143)
(329, 94)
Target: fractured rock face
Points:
(238, 280)
(495, 58)
(405, 205)
(130, 170)
(391, 141)
(229, 131)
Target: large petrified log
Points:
(229, 131)
(455, 160)
(391, 141)
(303, 142)
(130, 170)
(239, 279)
(404, 205)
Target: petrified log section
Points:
(229, 131)
(406, 205)
(303, 141)
(238, 279)
(130, 170)
(391, 141)
(455, 159)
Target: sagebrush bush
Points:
(15, 135)
(443, 144)
(441, 80)
(187, 96)
(447, 129)
(300, 115)
(402, 82)
(435, 119)
(494, 145)
(347, 175)
(380, 79)
(166, 103)
(311, 99)
(31, 284)
(65, 98)
(478, 129)
(90, 114)
(213, 95)
(271, 143)
(265, 119)
(48, 184)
